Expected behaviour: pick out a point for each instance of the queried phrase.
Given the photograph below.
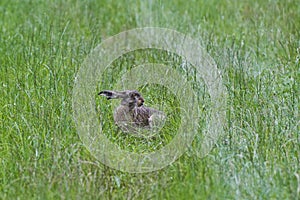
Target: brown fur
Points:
(131, 114)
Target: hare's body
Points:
(132, 115)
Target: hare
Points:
(131, 115)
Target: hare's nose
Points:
(141, 99)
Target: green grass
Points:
(256, 45)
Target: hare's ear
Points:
(111, 94)
(108, 94)
(134, 93)
(131, 95)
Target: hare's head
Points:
(130, 98)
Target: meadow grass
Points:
(256, 45)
